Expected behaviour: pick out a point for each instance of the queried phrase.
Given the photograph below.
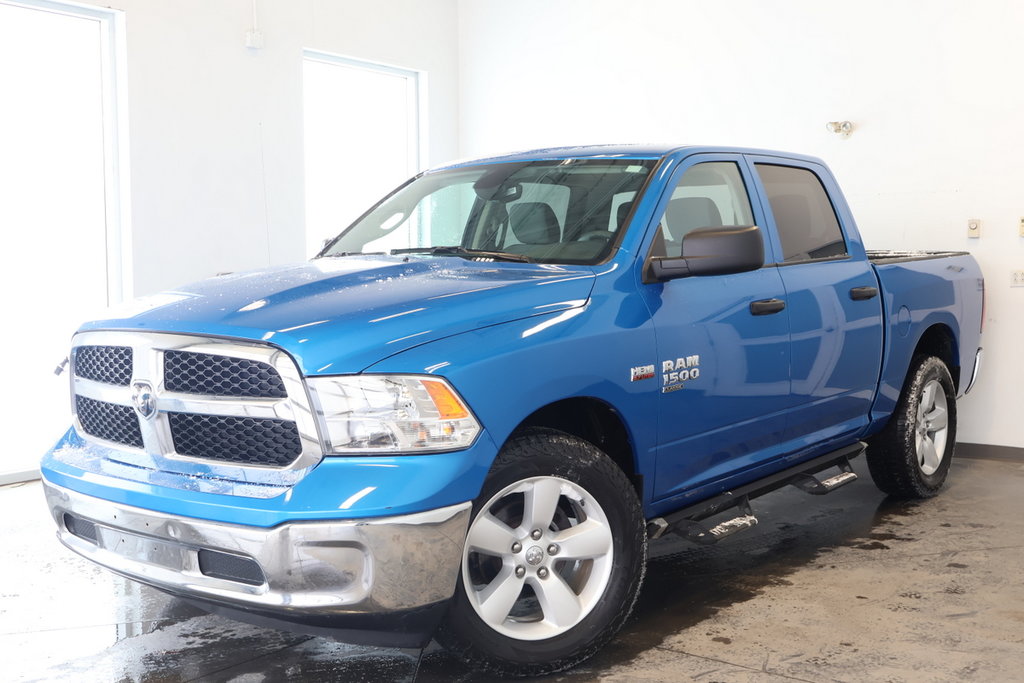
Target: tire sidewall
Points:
(930, 368)
(583, 464)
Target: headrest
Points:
(689, 213)
(534, 223)
(622, 212)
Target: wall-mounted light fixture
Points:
(843, 128)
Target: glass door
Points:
(60, 257)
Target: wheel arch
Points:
(939, 341)
(595, 421)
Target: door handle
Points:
(862, 293)
(766, 306)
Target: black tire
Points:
(898, 456)
(517, 644)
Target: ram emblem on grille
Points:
(143, 399)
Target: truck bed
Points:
(920, 294)
(883, 256)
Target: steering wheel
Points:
(593, 235)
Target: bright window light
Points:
(362, 138)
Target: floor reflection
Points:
(66, 620)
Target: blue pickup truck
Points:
(466, 418)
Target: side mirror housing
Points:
(711, 251)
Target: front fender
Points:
(506, 372)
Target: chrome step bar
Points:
(687, 521)
(698, 533)
(819, 487)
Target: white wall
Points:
(931, 85)
(216, 128)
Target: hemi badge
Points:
(641, 372)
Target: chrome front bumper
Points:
(307, 571)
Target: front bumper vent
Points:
(231, 567)
(82, 528)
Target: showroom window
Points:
(363, 137)
(63, 201)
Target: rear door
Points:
(722, 371)
(832, 297)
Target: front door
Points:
(722, 370)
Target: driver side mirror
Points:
(711, 251)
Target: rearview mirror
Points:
(712, 251)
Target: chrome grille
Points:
(109, 421)
(107, 364)
(205, 373)
(242, 440)
(195, 406)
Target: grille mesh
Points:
(245, 440)
(204, 373)
(109, 421)
(107, 364)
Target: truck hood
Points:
(341, 315)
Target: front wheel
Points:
(910, 458)
(553, 561)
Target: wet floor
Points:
(847, 587)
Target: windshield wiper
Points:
(481, 254)
(352, 253)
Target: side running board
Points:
(687, 522)
(698, 533)
(819, 487)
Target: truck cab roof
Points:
(627, 151)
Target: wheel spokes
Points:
(545, 533)
(928, 398)
(585, 540)
(937, 419)
(497, 599)
(929, 456)
(540, 501)
(491, 536)
(560, 605)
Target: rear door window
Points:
(804, 216)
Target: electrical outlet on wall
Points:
(973, 227)
(1017, 278)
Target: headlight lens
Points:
(391, 414)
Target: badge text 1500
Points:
(679, 370)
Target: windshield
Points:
(565, 211)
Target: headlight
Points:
(391, 414)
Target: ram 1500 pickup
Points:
(467, 416)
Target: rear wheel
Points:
(910, 458)
(553, 561)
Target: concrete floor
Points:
(849, 587)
